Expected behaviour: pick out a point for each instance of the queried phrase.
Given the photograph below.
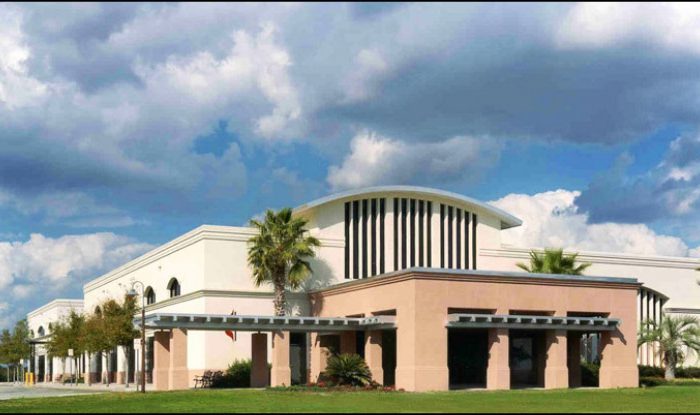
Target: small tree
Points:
(95, 336)
(68, 334)
(675, 336)
(119, 325)
(554, 261)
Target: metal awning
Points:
(214, 322)
(512, 321)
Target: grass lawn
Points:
(658, 399)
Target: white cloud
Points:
(17, 88)
(43, 264)
(551, 219)
(667, 25)
(204, 84)
(374, 159)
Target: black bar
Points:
(413, 232)
(474, 220)
(466, 239)
(355, 242)
(450, 211)
(364, 238)
(347, 240)
(404, 207)
(458, 242)
(429, 248)
(374, 237)
(442, 235)
(421, 211)
(396, 234)
(382, 212)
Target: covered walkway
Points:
(170, 369)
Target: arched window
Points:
(41, 332)
(98, 311)
(150, 295)
(174, 288)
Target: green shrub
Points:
(650, 372)
(688, 372)
(236, 376)
(589, 374)
(650, 382)
(348, 369)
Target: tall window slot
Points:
(420, 232)
(466, 239)
(442, 236)
(458, 240)
(396, 234)
(347, 240)
(429, 238)
(364, 238)
(355, 242)
(381, 235)
(413, 232)
(374, 237)
(404, 207)
(449, 236)
(474, 219)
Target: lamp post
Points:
(132, 294)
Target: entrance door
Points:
(41, 370)
(297, 358)
(527, 358)
(467, 358)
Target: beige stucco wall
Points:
(46, 315)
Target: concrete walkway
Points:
(15, 391)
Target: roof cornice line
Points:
(54, 304)
(479, 276)
(203, 232)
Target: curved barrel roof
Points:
(507, 220)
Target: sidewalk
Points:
(94, 387)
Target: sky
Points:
(123, 126)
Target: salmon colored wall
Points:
(422, 299)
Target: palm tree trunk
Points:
(670, 369)
(280, 298)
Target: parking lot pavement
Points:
(10, 391)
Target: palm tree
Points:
(554, 261)
(279, 253)
(673, 336)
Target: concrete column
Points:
(421, 347)
(178, 375)
(161, 360)
(618, 367)
(319, 356)
(348, 342)
(498, 371)
(556, 372)
(373, 354)
(281, 374)
(259, 375)
(121, 365)
(573, 344)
